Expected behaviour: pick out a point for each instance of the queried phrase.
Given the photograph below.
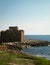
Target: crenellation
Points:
(13, 28)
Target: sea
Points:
(42, 51)
(38, 37)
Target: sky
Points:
(32, 16)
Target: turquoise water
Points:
(39, 51)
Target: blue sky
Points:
(33, 16)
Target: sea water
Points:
(43, 51)
(38, 37)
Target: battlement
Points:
(13, 28)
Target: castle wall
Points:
(12, 35)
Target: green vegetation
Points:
(11, 58)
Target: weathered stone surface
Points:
(12, 35)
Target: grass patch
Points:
(21, 59)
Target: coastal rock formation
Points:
(37, 43)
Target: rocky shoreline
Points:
(13, 50)
(25, 44)
(35, 42)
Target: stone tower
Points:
(21, 35)
(12, 35)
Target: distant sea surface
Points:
(43, 51)
(38, 37)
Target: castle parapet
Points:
(13, 28)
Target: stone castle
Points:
(12, 35)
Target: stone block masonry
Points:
(12, 35)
